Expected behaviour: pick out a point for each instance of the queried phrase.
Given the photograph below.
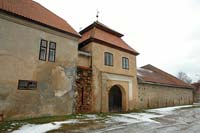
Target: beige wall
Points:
(98, 60)
(154, 96)
(84, 61)
(19, 59)
(196, 93)
(104, 77)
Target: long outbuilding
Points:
(160, 89)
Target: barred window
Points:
(43, 50)
(108, 59)
(27, 85)
(125, 63)
(52, 51)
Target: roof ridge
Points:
(95, 32)
(102, 27)
(163, 73)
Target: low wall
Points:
(155, 96)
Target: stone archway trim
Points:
(107, 76)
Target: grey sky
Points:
(166, 33)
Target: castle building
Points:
(47, 68)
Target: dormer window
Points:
(108, 59)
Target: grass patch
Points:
(15, 124)
(85, 126)
(86, 119)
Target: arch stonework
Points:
(127, 86)
(123, 93)
(123, 86)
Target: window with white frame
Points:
(108, 59)
(43, 49)
(52, 51)
(125, 63)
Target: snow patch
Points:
(143, 117)
(114, 119)
(91, 117)
(167, 110)
(42, 128)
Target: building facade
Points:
(37, 75)
(160, 89)
(47, 68)
(113, 66)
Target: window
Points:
(125, 63)
(27, 85)
(43, 50)
(52, 51)
(108, 58)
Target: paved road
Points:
(181, 121)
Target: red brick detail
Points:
(83, 90)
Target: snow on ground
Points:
(142, 117)
(128, 118)
(121, 119)
(167, 110)
(91, 117)
(42, 128)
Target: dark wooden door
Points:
(115, 99)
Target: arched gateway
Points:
(115, 99)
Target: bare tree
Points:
(184, 77)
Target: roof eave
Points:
(169, 85)
(82, 44)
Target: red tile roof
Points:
(152, 74)
(102, 34)
(196, 85)
(33, 11)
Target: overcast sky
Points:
(166, 33)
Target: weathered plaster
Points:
(154, 96)
(19, 58)
(105, 76)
